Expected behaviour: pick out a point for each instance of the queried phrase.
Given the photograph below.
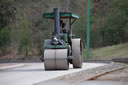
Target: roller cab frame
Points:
(63, 48)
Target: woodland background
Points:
(23, 28)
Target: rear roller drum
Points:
(77, 53)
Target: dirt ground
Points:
(121, 75)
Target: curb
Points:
(10, 67)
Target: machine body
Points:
(63, 48)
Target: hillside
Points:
(110, 52)
(23, 29)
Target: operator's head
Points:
(61, 22)
(63, 25)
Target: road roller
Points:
(63, 48)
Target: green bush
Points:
(24, 36)
(114, 28)
(95, 38)
(4, 38)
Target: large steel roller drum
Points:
(77, 53)
(56, 59)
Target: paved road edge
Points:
(10, 67)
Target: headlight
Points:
(55, 41)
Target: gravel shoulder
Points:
(85, 75)
(121, 75)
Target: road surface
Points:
(32, 73)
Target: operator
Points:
(62, 27)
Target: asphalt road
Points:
(32, 73)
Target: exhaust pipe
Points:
(56, 38)
(56, 22)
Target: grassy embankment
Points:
(109, 52)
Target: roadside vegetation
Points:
(109, 52)
(23, 29)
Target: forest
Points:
(23, 28)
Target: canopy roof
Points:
(63, 15)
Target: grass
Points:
(109, 52)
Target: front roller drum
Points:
(77, 53)
(56, 59)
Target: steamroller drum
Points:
(61, 59)
(77, 53)
(49, 59)
(56, 59)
